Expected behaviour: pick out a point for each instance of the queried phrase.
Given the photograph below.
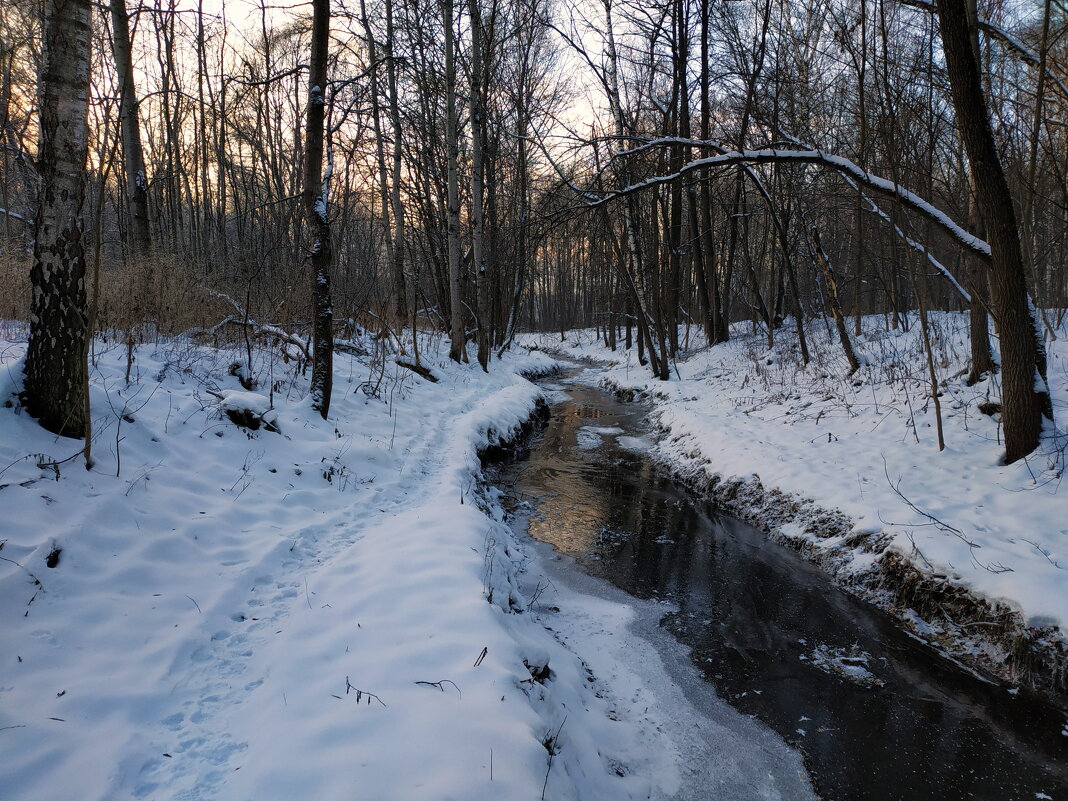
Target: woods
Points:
(500, 165)
(514, 399)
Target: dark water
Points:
(876, 714)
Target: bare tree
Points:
(1025, 395)
(316, 192)
(458, 349)
(132, 153)
(55, 359)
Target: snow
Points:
(693, 746)
(835, 441)
(332, 610)
(590, 437)
(851, 665)
(245, 401)
(807, 155)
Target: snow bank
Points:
(219, 612)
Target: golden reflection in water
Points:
(570, 510)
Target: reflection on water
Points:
(876, 714)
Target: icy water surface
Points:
(875, 714)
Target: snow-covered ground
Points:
(866, 445)
(214, 612)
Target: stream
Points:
(874, 713)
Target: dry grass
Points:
(162, 294)
(14, 286)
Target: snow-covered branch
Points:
(1026, 54)
(800, 155)
(16, 216)
(916, 245)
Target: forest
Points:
(583, 400)
(492, 167)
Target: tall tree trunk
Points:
(1027, 211)
(133, 156)
(457, 349)
(316, 191)
(632, 264)
(719, 323)
(861, 263)
(55, 359)
(478, 184)
(384, 193)
(400, 300)
(833, 300)
(1025, 395)
(982, 361)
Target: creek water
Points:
(875, 714)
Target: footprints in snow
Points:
(199, 749)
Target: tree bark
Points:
(316, 190)
(457, 349)
(400, 301)
(834, 302)
(1025, 396)
(133, 156)
(55, 360)
(478, 185)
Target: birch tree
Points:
(55, 371)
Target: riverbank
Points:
(242, 600)
(965, 553)
(768, 631)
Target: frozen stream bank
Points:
(875, 714)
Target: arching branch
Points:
(801, 155)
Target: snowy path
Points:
(218, 669)
(214, 708)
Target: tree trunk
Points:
(400, 300)
(457, 349)
(133, 156)
(55, 358)
(834, 302)
(1025, 396)
(316, 190)
(478, 186)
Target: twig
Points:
(361, 693)
(440, 685)
(194, 600)
(1042, 551)
(552, 744)
(993, 567)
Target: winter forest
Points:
(305, 310)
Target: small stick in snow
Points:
(552, 744)
(441, 685)
(361, 693)
(194, 600)
(481, 656)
